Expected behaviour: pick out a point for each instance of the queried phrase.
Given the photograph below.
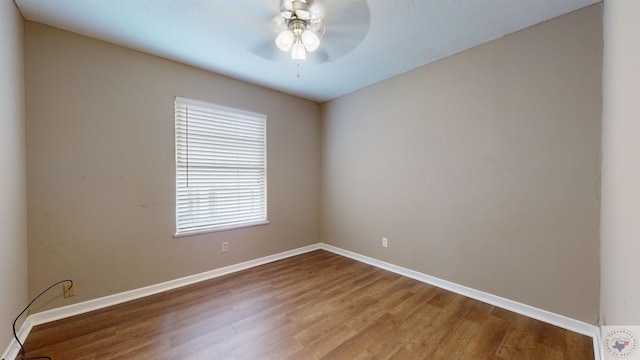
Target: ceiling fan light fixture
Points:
(310, 40)
(286, 8)
(285, 40)
(303, 14)
(302, 9)
(303, 28)
(298, 52)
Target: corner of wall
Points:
(13, 232)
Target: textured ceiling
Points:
(366, 41)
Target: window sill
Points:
(218, 229)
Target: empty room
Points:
(298, 179)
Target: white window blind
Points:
(221, 179)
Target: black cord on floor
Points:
(22, 351)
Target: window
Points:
(221, 175)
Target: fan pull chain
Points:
(298, 73)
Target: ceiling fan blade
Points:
(319, 56)
(352, 14)
(252, 18)
(337, 46)
(346, 25)
(267, 49)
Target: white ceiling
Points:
(231, 37)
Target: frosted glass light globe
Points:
(310, 40)
(285, 40)
(298, 52)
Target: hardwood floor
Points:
(313, 306)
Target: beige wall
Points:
(620, 233)
(13, 201)
(101, 178)
(481, 169)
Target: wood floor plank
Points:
(336, 319)
(577, 345)
(504, 314)
(456, 340)
(486, 341)
(552, 337)
(373, 314)
(423, 344)
(365, 339)
(519, 341)
(276, 344)
(317, 305)
(403, 334)
(411, 304)
(322, 343)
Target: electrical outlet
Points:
(385, 242)
(225, 246)
(68, 290)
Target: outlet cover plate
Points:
(68, 290)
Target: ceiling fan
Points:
(315, 31)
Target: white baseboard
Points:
(13, 349)
(63, 312)
(598, 346)
(526, 310)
